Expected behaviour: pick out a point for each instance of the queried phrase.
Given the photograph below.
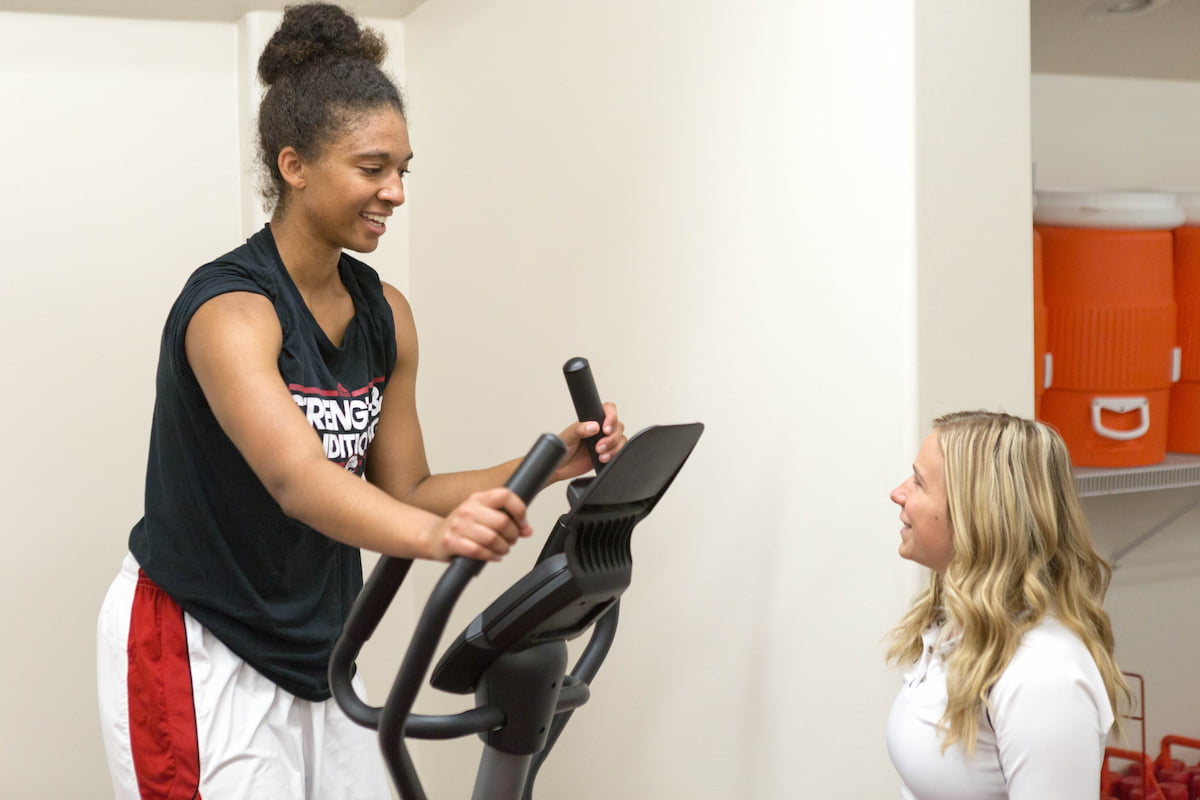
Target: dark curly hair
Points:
(321, 71)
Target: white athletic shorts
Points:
(183, 718)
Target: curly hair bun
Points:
(316, 32)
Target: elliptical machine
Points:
(513, 656)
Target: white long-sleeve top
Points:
(1043, 738)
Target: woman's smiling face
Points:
(927, 536)
(350, 190)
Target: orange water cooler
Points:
(1108, 283)
(1183, 430)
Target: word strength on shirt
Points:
(345, 419)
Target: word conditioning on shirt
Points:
(345, 419)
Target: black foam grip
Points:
(586, 398)
(537, 467)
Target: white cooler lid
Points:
(1103, 208)
(1189, 200)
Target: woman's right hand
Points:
(485, 526)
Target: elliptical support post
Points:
(501, 776)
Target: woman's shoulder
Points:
(1052, 673)
(1050, 654)
(1052, 633)
(252, 262)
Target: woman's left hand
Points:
(578, 460)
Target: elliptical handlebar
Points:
(536, 468)
(368, 609)
(586, 399)
(529, 477)
(379, 591)
(513, 656)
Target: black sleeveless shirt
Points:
(272, 589)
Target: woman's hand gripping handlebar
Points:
(530, 475)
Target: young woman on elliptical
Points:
(287, 374)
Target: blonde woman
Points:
(1012, 687)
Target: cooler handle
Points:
(1176, 364)
(1121, 405)
(1049, 371)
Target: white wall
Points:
(1127, 133)
(737, 211)
(121, 174)
(118, 180)
(717, 203)
(975, 248)
(1114, 132)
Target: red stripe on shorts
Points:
(162, 714)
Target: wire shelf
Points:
(1177, 471)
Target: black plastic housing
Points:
(585, 566)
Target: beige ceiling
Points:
(206, 10)
(1163, 42)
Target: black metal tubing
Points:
(574, 693)
(412, 672)
(646, 474)
(453, 726)
(368, 609)
(530, 475)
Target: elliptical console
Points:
(513, 656)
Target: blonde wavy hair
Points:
(1022, 549)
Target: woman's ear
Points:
(291, 167)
